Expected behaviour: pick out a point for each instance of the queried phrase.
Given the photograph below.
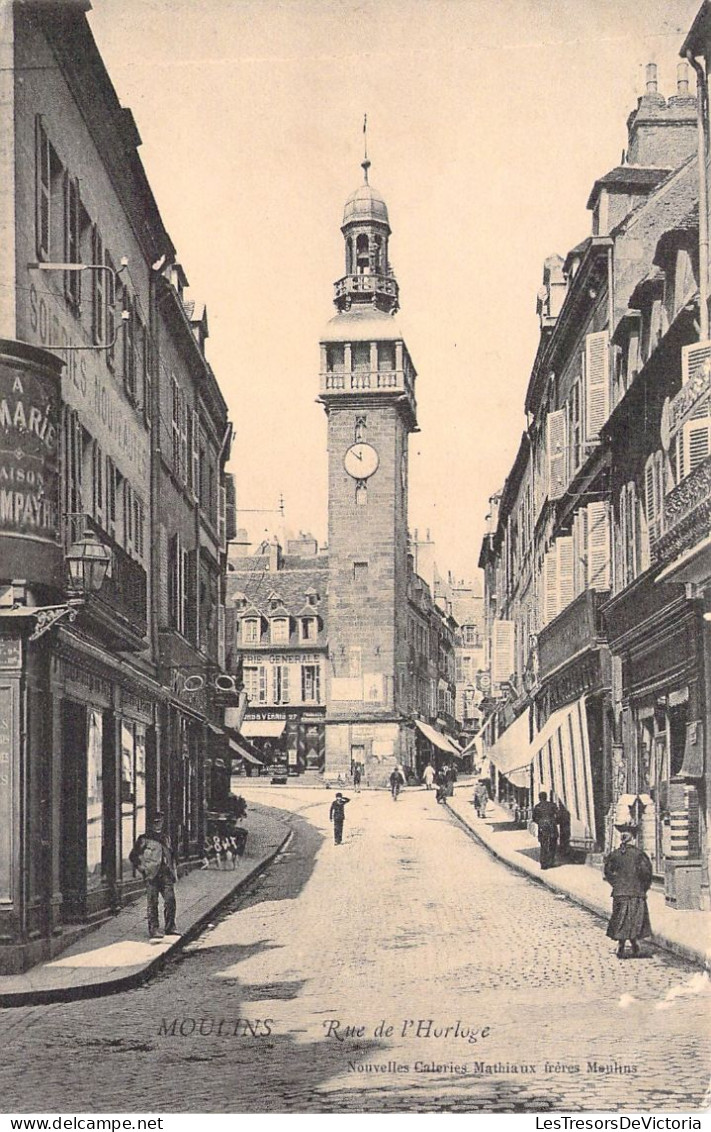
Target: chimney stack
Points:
(682, 80)
(651, 72)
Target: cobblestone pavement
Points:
(466, 986)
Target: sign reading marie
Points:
(29, 432)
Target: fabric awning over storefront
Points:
(243, 753)
(512, 752)
(561, 765)
(263, 728)
(439, 739)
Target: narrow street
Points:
(408, 925)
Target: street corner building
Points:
(114, 502)
(596, 561)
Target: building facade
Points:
(84, 749)
(608, 659)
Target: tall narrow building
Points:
(368, 392)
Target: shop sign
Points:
(282, 658)
(86, 684)
(29, 424)
(134, 704)
(10, 653)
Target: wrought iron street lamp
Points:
(88, 561)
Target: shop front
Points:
(659, 760)
(286, 742)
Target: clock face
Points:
(361, 461)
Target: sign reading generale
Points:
(29, 421)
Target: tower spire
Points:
(365, 163)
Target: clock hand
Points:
(358, 455)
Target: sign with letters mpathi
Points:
(29, 435)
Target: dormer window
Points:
(250, 631)
(280, 630)
(308, 628)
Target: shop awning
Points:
(561, 765)
(438, 738)
(512, 752)
(243, 753)
(263, 728)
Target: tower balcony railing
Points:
(366, 285)
(342, 381)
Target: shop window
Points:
(95, 818)
(133, 787)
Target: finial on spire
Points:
(365, 164)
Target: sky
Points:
(488, 122)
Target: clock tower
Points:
(368, 392)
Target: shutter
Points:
(696, 361)
(597, 383)
(556, 426)
(221, 517)
(230, 508)
(262, 683)
(43, 190)
(285, 683)
(580, 551)
(598, 545)
(697, 443)
(191, 604)
(550, 586)
(564, 551)
(503, 651)
(195, 454)
(163, 574)
(221, 635)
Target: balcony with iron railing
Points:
(577, 627)
(120, 608)
(687, 515)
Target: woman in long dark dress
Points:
(629, 871)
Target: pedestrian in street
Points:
(481, 798)
(356, 778)
(397, 781)
(153, 857)
(629, 871)
(563, 829)
(545, 815)
(337, 816)
(428, 776)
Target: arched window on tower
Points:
(362, 255)
(378, 255)
(349, 256)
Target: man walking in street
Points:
(337, 816)
(545, 815)
(481, 798)
(153, 857)
(397, 781)
(428, 776)
(357, 773)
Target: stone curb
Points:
(127, 982)
(659, 939)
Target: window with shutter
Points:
(99, 289)
(556, 426)
(564, 552)
(580, 551)
(72, 279)
(550, 585)
(597, 383)
(43, 188)
(696, 433)
(195, 455)
(696, 361)
(598, 545)
(503, 651)
(110, 313)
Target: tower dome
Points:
(364, 205)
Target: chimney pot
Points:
(651, 72)
(682, 79)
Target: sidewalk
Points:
(117, 955)
(686, 934)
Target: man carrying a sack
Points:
(153, 857)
